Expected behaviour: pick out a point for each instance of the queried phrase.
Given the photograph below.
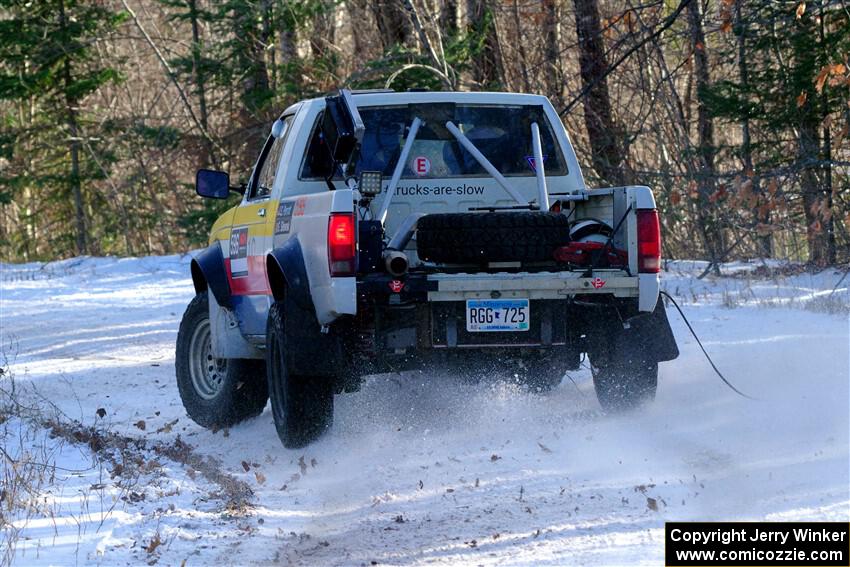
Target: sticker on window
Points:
(532, 165)
(421, 166)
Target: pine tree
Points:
(786, 97)
(48, 68)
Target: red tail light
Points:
(342, 244)
(649, 241)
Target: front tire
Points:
(302, 406)
(216, 392)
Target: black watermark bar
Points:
(761, 544)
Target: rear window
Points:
(501, 133)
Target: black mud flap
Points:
(651, 334)
(311, 352)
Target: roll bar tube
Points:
(540, 172)
(484, 162)
(399, 168)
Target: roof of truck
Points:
(380, 97)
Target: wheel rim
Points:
(206, 371)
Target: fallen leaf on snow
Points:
(154, 543)
(167, 427)
(141, 424)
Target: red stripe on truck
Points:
(255, 283)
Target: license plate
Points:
(484, 315)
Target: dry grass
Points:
(34, 432)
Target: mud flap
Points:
(227, 340)
(651, 334)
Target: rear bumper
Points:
(428, 311)
(420, 315)
(532, 285)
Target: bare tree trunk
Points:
(605, 148)
(73, 142)
(763, 242)
(200, 81)
(487, 71)
(393, 24)
(324, 30)
(289, 49)
(808, 146)
(817, 193)
(254, 87)
(553, 72)
(520, 40)
(358, 13)
(449, 18)
(705, 139)
(825, 212)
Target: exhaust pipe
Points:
(396, 262)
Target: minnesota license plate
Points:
(497, 315)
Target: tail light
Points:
(342, 244)
(649, 241)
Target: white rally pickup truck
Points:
(383, 231)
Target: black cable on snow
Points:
(691, 329)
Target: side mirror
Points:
(277, 128)
(214, 184)
(342, 128)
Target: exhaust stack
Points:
(396, 262)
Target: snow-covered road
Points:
(421, 468)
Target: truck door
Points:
(251, 237)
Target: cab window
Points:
(501, 132)
(265, 176)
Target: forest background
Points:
(735, 112)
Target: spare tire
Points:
(479, 238)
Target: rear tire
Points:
(302, 406)
(216, 392)
(623, 378)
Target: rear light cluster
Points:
(649, 241)
(342, 244)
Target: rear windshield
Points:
(501, 133)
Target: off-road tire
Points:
(216, 393)
(302, 406)
(623, 377)
(479, 238)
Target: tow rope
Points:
(714, 366)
